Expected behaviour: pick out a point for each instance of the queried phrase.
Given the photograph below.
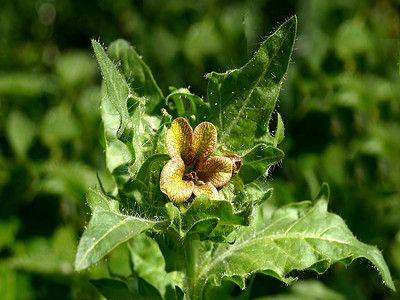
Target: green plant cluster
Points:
(339, 103)
(205, 245)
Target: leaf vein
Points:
(235, 120)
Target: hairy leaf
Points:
(107, 229)
(137, 75)
(300, 236)
(117, 90)
(126, 139)
(243, 100)
(280, 131)
(256, 162)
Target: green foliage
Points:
(243, 100)
(339, 101)
(204, 243)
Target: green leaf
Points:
(256, 162)
(210, 218)
(118, 155)
(24, 84)
(125, 114)
(54, 255)
(149, 264)
(300, 236)
(107, 229)
(198, 108)
(280, 131)
(138, 75)
(144, 172)
(243, 100)
(8, 232)
(143, 192)
(117, 90)
(131, 289)
(20, 132)
(311, 289)
(113, 289)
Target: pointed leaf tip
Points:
(324, 192)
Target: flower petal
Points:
(216, 169)
(205, 140)
(180, 141)
(172, 184)
(207, 189)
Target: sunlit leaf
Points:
(107, 229)
(300, 236)
(243, 100)
(280, 132)
(117, 90)
(122, 121)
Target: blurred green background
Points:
(340, 104)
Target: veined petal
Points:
(207, 189)
(217, 170)
(180, 141)
(172, 184)
(205, 140)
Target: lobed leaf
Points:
(243, 100)
(300, 236)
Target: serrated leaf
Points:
(300, 236)
(138, 75)
(107, 229)
(243, 100)
(256, 162)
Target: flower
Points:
(191, 170)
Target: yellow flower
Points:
(191, 170)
